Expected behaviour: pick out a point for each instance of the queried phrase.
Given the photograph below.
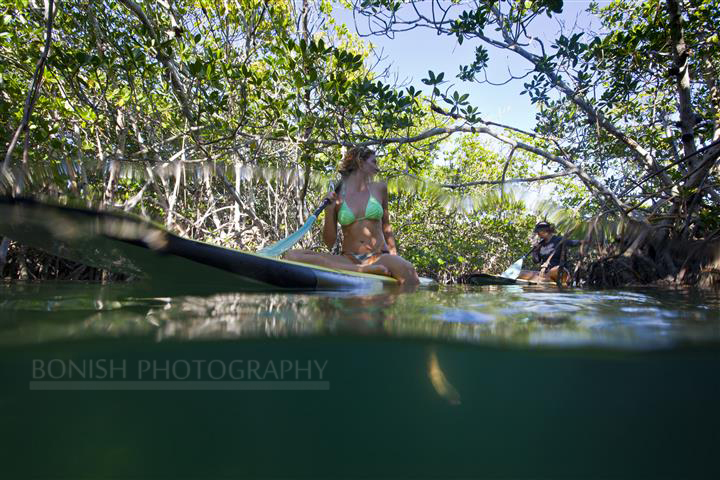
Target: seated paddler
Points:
(361, 209)
(549, 252)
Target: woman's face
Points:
(370, 165)
(544, 234)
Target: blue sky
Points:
(415, 52)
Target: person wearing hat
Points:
(548, 251)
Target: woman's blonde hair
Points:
(353, 159)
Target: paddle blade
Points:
(514, 270)
(277, 249)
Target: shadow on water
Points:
(499, 382)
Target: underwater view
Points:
(437, 382)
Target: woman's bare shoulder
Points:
(380, 186)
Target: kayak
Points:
(124, 243)
(487, 279)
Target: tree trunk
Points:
(4, 247)
(22, 263)
(305, 155)
(36, 82)
(681, 70)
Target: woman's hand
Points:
(331, 197)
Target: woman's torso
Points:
(548, 250)
(363, 235)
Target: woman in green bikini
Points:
(362, 211)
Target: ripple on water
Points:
(463, 316)
(505, 315)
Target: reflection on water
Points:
(509, 315)
(440, 383)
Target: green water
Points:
(504, 382)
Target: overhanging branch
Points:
(511, 180)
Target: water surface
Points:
(519, 316)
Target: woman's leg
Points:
(338, 262)
(399, 268)
(530, 276)
(535, 276)
(556, 272)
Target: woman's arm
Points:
(386, 227)
(330, 225)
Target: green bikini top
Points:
(373, 211)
